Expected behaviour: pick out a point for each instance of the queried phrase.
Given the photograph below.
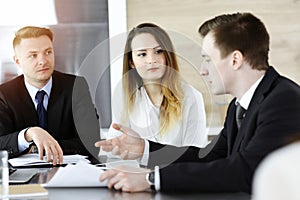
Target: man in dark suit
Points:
(69, 124)
(235, 53)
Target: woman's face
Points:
(148, 57)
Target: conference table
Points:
(45, 174)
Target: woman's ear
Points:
(131, 64)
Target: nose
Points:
(152, 58)
(203, 69)
(42, 60)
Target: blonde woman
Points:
(153, 100)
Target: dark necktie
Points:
(41, 109)
(240, 111)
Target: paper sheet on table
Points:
(34, 160)
(80, 175)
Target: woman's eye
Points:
(141, 54)
(159, 51)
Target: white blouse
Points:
(190, 130)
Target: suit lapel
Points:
(258, 97)
(55, 105)
(26, 106)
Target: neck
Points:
(154, 92)
(247, 81)
(39, 84)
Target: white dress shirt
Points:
(22, 143)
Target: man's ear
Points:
(237, 59)
(16, 59)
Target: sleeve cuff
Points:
(156, 178)
(145, 157)
(22, 143)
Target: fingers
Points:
(124, 155)
(41, 151)
(103, 143)
(46, 143)
(106, 145)
(53, 152)
(116, 126)
(114, 179)
(108, 174)
(121, 128)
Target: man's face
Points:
(35, 57)
(215, 69)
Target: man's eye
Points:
(207, 60)
(48, 52)
(32, 56)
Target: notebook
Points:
(28, 190)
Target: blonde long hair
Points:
(171, 107)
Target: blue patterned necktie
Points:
(41, 109)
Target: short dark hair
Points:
(243, 32)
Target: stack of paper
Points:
(80, 175)
(34, 160)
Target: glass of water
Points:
(4, 175)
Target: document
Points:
(34, 160)
(81, 174)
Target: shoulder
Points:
(276, 91)
(276, 83)
(13, 84)
(190, 92)
(66, 78)
(63, 76)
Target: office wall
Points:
(80, 43)
(281, 18)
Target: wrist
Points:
(27, 135)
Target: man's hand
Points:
(44, 141)
(126, 178)
(129, 145)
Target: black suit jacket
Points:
(72, 119)
(273, 116)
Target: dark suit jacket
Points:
(272, 117)
(72, 119)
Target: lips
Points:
(153, 69)
(43, 70)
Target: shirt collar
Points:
(33, 90)
(246, 98)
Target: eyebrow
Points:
(204, 56)
(145, 49)
(49, 48)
